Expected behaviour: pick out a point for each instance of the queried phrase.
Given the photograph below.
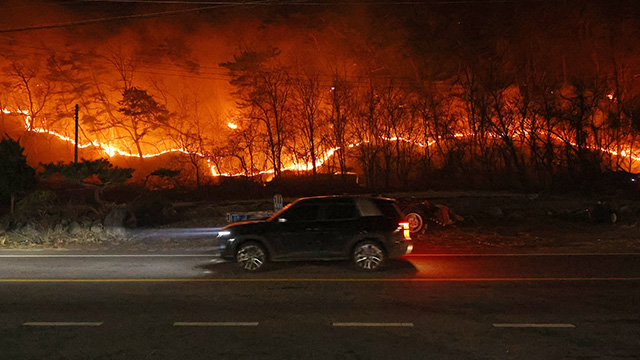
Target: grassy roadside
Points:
(493, 222)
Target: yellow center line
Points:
(533, 325)
(62, 323)
(249, 280)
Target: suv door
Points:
(340, 223)
(294, 234)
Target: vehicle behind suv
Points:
(367, 230)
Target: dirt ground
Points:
(524, 239)
(505, 223)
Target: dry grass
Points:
(493, 222)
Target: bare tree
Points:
(397, 132)
(542, 124)
(308, 98)
(243, 145)
(264, 93)
(32, 90)
(433, 109)
(191, 125)
(141, 114)
(476, 115)
(366, 131)
(193, 143)
(339, 102)
(124, 63)
(508, 108)
(580, 131)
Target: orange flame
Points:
(111, 150)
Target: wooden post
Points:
(75, 154)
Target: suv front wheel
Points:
(368, 256)
(251, 256)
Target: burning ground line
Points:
(111, 150)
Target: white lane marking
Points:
(103, 255)
(62, 323)
(364, 324)
(215, 254)
(551, 325)
(198, 323)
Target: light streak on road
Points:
(174, 233)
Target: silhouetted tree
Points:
(308, 98)
(397, 131)
(142, 115)
(433, 112)
(243, 147)
(165, 174)
(97, 174)
(263, 92)
(16, 175)
(31, 90)
(191, 127)
(366, 131)
(339, 102)
(581, 130)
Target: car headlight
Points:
(224, 233)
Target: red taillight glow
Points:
(405, 230)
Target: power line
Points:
(220, 4)
(165, 2)
(124, 17)
(316, 3)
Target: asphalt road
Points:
(192, 305)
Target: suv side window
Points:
(301, 213)
(340, 211)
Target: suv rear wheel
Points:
(251, 256)
(368, 256)
(415, 220)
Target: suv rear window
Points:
(389, 209)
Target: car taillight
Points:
(405, 230)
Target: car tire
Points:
(416, 221)
(368, 256)
(251, 256)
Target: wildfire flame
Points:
(111, 150)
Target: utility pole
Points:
(75, 154)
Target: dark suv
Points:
(366, 230)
